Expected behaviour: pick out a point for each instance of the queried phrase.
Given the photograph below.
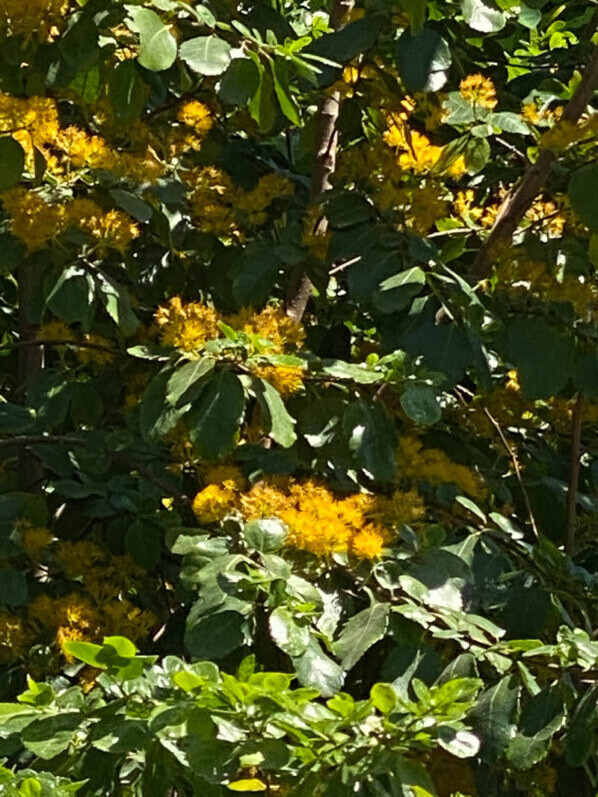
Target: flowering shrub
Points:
(299, 398)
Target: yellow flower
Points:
(367, 543)
(215, 502)
(76, 558)
(479, 90)
(268, 188)
(530, 113)
(434, 466)
(186, 325)
(13, 638)
(112, 229)
(271, 323)
(224, 474)
(287, 380)
(196, 115)
(54, 330)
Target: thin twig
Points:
(576, 422)
(519, 201)
(516, 465)
(40, 439)
(521, 155)
(81, 344)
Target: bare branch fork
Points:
(520, 200)
(326, 145)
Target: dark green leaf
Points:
(214, 636)
(15, 419)
(240, 82)
(12, 162)
(542, 355)
(421, 405)
(266, 535)
(279, 424)
(361, 632)
(187, 382)
(582, 193)
(372, 437)
(494, 717)
(13, 587)
(214, 421)
(127, 91)
(541, 718)
(423, 60)
(287, 634)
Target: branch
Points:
(40, 439)
(81, 344)
(519, 201)
(576, 423)
(326, 144)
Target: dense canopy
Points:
(298, 398)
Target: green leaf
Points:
(542, 354)
(187, 382)
(287, 634)
(266, 535)
(15, 419)
(86, 652)
(477, 154)
(127, 92)
(240, 82)
(50, 736)
(214, 636)
(130, 203)
(421, 405)
(541, 718)
(585, 374)
(417, 14)
(214, 421)
(582, 193)
(580, 736)
(143, 542)
(316, 670)
(509, 122)
(285, 98)
(461, 744)
(117, 303)
(494, 715)
(13, 587)
(206, 55)
(72, 296)
(279, 424)
(158, 47)
(384, 697)
(372, 437)
(12, 162)
(396, 292)
(423, 60)
(361, 632)
(483, 15)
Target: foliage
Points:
(243, 548)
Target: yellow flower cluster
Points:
(479, 90)
(423, 205)
(516, 273)
(416, 152)
(13, 638)
(221, 208)
(271, 323)
(186, 325)
(34, 539)
(196, 115)
(565, 133)
(37, 222)
(317, 520)
(70, 617)
(33, 121)
(54, 330)
(434, 466)
(84, 150)
(32, 16)
(287, 379)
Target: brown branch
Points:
(520, 200)
(24, 440)
(300, 287)
(81, 344)
(31, 360)
(576, 423)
